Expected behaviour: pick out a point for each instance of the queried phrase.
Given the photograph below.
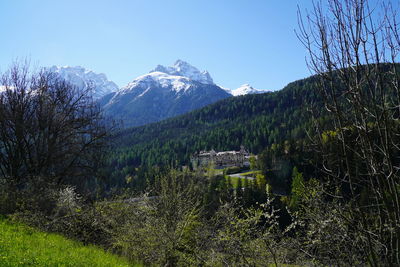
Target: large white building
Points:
(221, 159)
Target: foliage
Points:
(253, 163)
(323, 235)
(179, 226)
(298, 188)
(162, 230)
(234, 181)
(70, 216)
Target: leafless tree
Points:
(354, 49)
(51, 133)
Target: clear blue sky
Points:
(237, 41)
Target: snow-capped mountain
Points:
(246, 89)
(182, 68)
(162, 93)
(160, 79)
(83, 78)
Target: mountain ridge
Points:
(182, 68)
(166, 91)
(85, 78)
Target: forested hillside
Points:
(255, 121)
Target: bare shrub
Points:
(354, 49)
(51, 135)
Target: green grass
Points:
(250, 173)
(21, 245)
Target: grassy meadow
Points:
(21, 245)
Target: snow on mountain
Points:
(182, 68)
(229, 91)
(159, 79)
(164, 92)
(83, 78)
(177, 78)
(245, 89)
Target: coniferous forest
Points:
(258, 122)
(321, 187)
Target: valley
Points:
(138, 163)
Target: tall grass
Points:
(21, 245)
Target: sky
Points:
(237, 41)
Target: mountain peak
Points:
(182, 68)
(246, 89)
(180, 62)
(181, 65)
(162, 93)
(159, 79)
(84, 78)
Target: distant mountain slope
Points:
(164, 92)
(83, 78)
(255, 121)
